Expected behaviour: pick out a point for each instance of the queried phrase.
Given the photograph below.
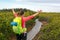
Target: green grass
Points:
(51, 31)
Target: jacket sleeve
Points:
(28, 18)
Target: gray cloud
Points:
(46, 1)
(41, 1)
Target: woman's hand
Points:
(39, 11)
(13, 11)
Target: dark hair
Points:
(21, 12)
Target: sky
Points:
(44, 5)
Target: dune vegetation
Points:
(51, 31)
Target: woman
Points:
(23, 36)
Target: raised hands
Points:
(13, 11)
(39, 11)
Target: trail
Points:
(34, 30)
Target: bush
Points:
(52, 30)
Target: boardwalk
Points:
(34, 30)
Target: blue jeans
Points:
(22, 36)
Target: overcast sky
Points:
(45, 5)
